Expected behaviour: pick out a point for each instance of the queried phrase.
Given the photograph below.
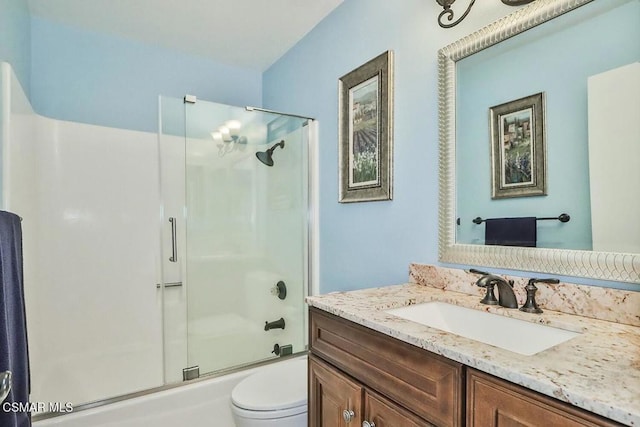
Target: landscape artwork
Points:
(517, 148)
(363, 143)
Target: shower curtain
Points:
(14, 354)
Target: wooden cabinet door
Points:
(430, 385)
(492, 402)
(331, 393)
(384, 413)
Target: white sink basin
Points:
(507, 333)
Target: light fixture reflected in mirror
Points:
(448, 12)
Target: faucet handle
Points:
(474, 271)
(549, 280)
(530, 306)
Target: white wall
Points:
(97, 309)
(89, 200)
(614, 153)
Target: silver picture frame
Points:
(611, 266)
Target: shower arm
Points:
(279, 144)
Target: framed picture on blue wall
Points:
(365, 129)
(518, 149)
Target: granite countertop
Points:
(598, 371)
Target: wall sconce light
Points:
(448, 12)
(228, 138)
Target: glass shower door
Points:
(246, 235)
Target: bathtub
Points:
(203, 403)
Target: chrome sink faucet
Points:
(506, 296)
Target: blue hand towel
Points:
(511, 232)
(14, 353)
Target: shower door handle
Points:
(169, 285)
(174, 241)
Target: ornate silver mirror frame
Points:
(598, 265)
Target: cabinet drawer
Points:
(492, 402)
(429, 385)
(384, 413)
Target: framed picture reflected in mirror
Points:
(518, 150)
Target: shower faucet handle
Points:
(279, 290)
(276, 349)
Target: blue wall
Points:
(15, 36)
(95, 78)
(15, 48)
(371, 244)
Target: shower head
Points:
(266, 156)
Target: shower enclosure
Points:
(152, 257)
(234, 232)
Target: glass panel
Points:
(172, 174)
(246, 231)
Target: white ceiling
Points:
(246, 33)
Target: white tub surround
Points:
(88, 196)
(597, 371)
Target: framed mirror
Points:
(494, 69)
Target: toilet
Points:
(275, 396)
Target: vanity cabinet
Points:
(383, 380)
(492, 402)
(339, 401)
(386, 382)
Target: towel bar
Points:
(562, 218)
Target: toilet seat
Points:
(274, 392)
(269, 415)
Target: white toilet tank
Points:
(276, 396)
